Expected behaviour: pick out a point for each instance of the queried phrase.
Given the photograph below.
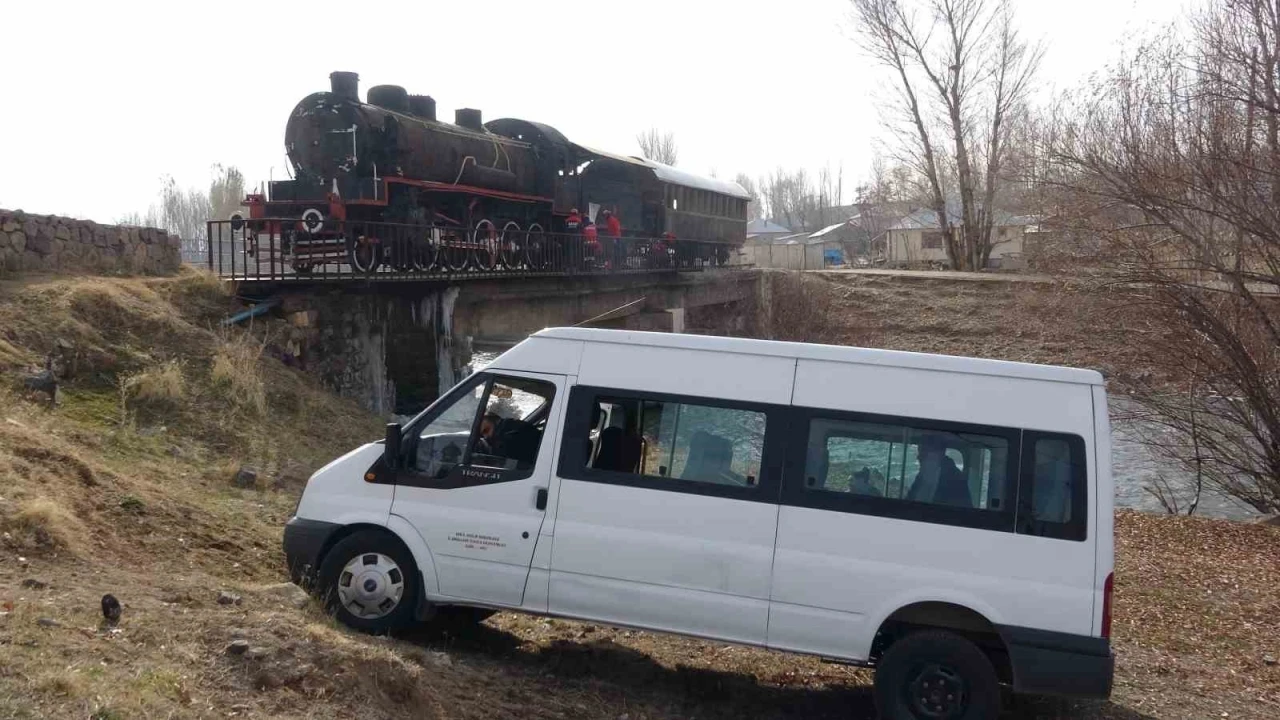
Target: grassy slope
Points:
(140, 503)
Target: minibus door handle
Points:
(541, 501)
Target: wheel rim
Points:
(365, 255)
(535, 252)
(370, 586)
(509, 244)
(424, 251)
(938, 691)
(484, 238)
(454, 250)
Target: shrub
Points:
(41, 524)
(159, 385)
(235, 370)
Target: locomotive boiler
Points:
(389, 159)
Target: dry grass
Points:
(159, 385)
(235, 370)
(41, 525)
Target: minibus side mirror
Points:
(391, 450)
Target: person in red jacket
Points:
(613, 243)
(590, 242)
(573, 223)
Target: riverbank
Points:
(145, 499)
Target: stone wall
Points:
(48, 243)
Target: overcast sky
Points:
(104, 98)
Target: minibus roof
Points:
(830, 353)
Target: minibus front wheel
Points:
(369, 582)
(936, 675)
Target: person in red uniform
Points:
(567, 246)
(613, 244)
(590, 242)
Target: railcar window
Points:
(900, 462)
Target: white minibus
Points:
(945, 520)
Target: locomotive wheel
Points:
(509, 245)
(453, 251)
(400, 250)
(364, 253)
(535, 247)
(425, 250)
(484, 240)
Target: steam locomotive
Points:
(469, 184)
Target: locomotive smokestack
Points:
(423, 106)
(468, 118)
(345, 85)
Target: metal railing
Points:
(284, 249)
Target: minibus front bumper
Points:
(1052, 663)
(304, 540)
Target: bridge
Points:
(389, 314)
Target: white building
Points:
(916, 239)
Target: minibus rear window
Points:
(1054, 491)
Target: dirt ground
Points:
(139, 498)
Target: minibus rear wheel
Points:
(369, 581)
(936, 675)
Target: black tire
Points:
(936, 675)
(363, 544)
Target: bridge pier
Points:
(392, 352)
(395, 347)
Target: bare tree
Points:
(830, 194)
(793, 199)
(1174, 159)
(184, 212)
(773, 189)
(965, 64)
(226, 192)
(884, 198)
(658, 146)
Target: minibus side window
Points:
(442, 442)
(900, 462)
(511, 426)
(1054, 494)
(496, 423)
(676, 440)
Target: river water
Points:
(1133, 465)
